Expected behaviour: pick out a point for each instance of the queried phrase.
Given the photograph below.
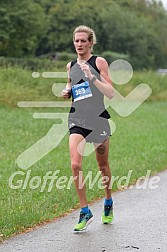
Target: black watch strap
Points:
(93, 79)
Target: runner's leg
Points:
(76, 166)
(102, 152)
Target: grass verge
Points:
(138, 144)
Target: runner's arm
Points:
(67, 91)
(105, 85)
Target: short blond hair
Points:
(89, 31)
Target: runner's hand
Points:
(66, 93)
(85, 68)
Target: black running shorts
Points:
(97, 135)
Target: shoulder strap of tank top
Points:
(73, 62)
(92, 62)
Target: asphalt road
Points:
(140, 224)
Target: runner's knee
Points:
(76, 167)
(103, 167)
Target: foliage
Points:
(33, 64)
(111, 56)
(65, 56)
(133, 27)
(21, 25)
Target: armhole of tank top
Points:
(94, 60)
(95, 57)
(72, 63)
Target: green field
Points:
(138, 144)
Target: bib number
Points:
(81, 91)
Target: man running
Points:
(88, 83)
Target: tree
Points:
(21, 25)
(133, 27)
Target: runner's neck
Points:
(83, 59)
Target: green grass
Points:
(138, 144)
(17, 84)
(157, 82)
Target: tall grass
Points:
(156, 81)
(17, 84)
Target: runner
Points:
(88, 83)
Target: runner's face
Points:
(81, 43)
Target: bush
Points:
(111, 56)
(46, 62)
(65, 56)
(33, 64)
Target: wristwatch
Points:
(93, 79)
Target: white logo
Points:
(103, 133)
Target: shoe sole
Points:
(84, 229)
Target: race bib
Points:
(81, 91)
